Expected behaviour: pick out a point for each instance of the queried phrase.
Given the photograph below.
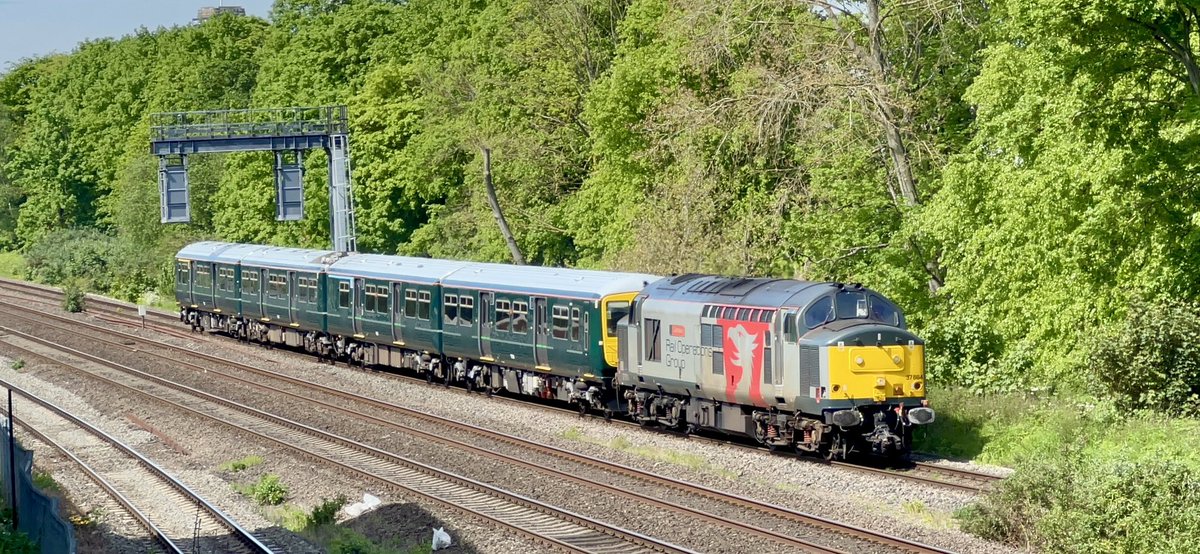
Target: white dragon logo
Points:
(744, 344)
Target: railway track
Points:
(930, 474)
(754, 515)
(543, 523)
(919, 472)
(168, 500)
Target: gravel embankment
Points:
(199, 451)
(890, 505)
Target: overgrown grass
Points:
(1090, 477)
(242, 464)
(268, 491)
(43, 480)
(12, 265)
(318, 526)
(17, 364)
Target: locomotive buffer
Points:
(288, 132)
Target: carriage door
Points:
(485, 326)
(263, 285)
(293, 292)
(359, 302)
(397, 309)
(541, 352)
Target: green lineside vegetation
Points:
(1020, 175)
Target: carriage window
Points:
(450, 309)
(369, 298)
(423, 305)
(250, 283)
(343, 294)
(182, 275)
(653, 340)
(382, 299)
(520, 321)
(616, 311)
(466, 310)
(820, 313)
(312, 289)
(503, 314)
(301, 289)
(561, 321)
(410, 303)
(575, 324)
(203, 276)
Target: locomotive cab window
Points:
(616, 311)
(789, 327)
(819, 313)
(851, 305)
(883, 311)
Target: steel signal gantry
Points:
(288, 132)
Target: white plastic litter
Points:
(369, 502)
(441, 539)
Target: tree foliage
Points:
(1013, 173)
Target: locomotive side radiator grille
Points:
(810, 368)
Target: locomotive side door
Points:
(789, 356)
(541, 352)
(485, 326)
(359, 302)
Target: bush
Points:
(1077, 502)
(17, 364)
(269, 491)
(326, 512)
(1152, 360)
(74, 297)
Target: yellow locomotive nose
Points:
(877, 372)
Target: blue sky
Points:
(37, 27)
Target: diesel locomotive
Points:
(820, 367)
